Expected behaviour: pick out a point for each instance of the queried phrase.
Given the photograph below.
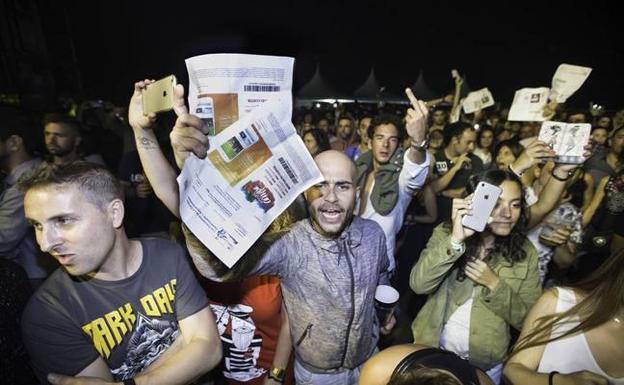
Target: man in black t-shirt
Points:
(453, 166)
(118, 310)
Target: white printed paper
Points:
(528, 105)
(253, 171)
(225, 87)
(478, 100)
(567, 140)
(567, 80)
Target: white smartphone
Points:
(158, 96)
(483, 203)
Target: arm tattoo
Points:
(147, 143)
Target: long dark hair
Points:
(511, 247)
(604, 289)
(322, 141)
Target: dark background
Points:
(97, 49)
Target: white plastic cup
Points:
(386, 299)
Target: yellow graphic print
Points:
(108, 331)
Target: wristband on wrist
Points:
(458, 248)
(550, 376)
(559, 178)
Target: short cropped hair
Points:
(456, 129)
(98, 185)
(64, 120)
(387, 119)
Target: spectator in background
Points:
(355, 150)
(345, 134)
(485, 145)
(607, 163)
(17, 241)
(527, 130)
(453, 165)
(439, 119)
(316, 141)
(62, 135)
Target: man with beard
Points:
(119, 310)
(329, 267)
(62, 138)
(17, 241)
(344, 134)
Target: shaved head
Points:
(331, 202)
(337, 159)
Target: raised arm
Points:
(158, 171)
(416, 127)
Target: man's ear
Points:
(116, 211)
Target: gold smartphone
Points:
(158, 96)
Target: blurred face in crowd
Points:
(486, 139)
(439, 118)
(323, 124)
(75, 231)
(384, 143)
(436, 139)
(307, 118)
(504, 135)
(60, 139)
(576, 118)
(464, 143)
(310, 142)
(617, 142)
(618, 119)
(344, 129)
(494, 120)
(363, 129)
(526, 131)
(604, 122)
(504, 158)
(507, 210)
(599, 135)
(332, 201)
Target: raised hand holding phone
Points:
(483, 203)
(158, 95)
(461, 207)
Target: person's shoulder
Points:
(368, 226)
(160, 248)
(59, 287)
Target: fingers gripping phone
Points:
(483, 203)
(158, 96)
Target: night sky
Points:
(501, 45)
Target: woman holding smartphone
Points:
(478, 284)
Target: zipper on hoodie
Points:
(304, 334)
(346, 347)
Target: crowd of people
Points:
(102, 282)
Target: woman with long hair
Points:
(575, 335)
(485, 145)
(478, 284)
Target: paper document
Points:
(567, 80)
(253, 171)
(566, 139)
(478, 100)
(225, 87)
(528, 105)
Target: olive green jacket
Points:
(435, 274)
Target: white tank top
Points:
(575, 349)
